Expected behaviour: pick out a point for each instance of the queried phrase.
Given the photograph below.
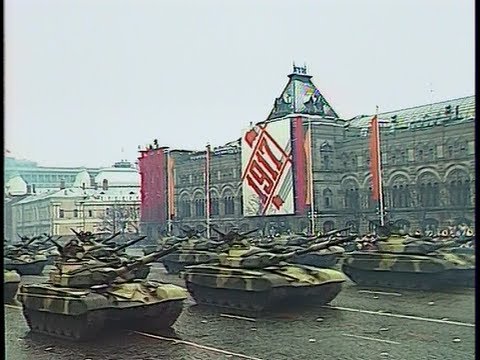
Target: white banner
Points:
(267, 178)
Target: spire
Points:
(301, 96)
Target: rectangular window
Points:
(90, 213)
(61, 213)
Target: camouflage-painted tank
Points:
(324, 258)
(409, 263)
(253, 279)
(194, 250)
(11, 280)
(24, 258)
(101, 254)
(80, 299)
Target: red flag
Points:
(308, 164)
(374, 158)
(171, 186)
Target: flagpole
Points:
(379, 169)
(207, 189)
(310, 174)
(169, 215)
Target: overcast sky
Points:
(86, 79)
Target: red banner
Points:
(300, 166)
(152, 164)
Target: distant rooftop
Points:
(460, 109)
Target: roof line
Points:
(420, 106)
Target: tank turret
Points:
(86, 274)
(103, 251)
(303, 240)
(245, 258)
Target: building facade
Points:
(427, 158)
(111, 204)
(43, 177)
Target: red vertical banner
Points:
(308, 164)
(374, 147)
(299, 166)
(171, 186)
(152, 165)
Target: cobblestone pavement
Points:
(359, 324)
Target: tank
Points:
(253, 279)
(195, 249)
(102, 254)
(80, 300)
(409, 263)
(24, 258)
(11, 280)
(325, 258)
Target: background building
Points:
(109, 203)
(40, 178)
(427, 157)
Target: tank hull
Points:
(82, 314)
(9, 292)
(409, 271)
(463, 278)
(30, 268)
(321, 260)
(262, 289)
(176, 262)
(276, 298)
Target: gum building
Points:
(427, 158)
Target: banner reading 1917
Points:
(267, 179)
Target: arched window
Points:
(185, 208)
(353, 225)
(229, 204)
(214, 209)
(326, 156)
(328, 226)
(458, 184)
(199, 207)
(371, 203)
(75, 213)
(327, 198)
(400, 192)
(429, 190)
(352, 196)
(105, 184)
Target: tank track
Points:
(411, 281)
(260, 301)
(89, 325)
(9, 292)
(163, 316)
(78, 328)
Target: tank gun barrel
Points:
(315, 247)
(332, 232)
(145, 260)
(57, 245)
(111, 237)
(129, 243)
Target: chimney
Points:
(62, 184)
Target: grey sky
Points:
(85, 79)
